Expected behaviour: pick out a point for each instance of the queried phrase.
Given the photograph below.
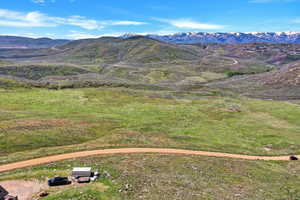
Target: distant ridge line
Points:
(226, 38)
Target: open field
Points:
(37, 122)
(150, 176)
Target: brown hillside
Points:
(287, 76)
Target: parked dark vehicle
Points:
(59, 181)
(293, 158)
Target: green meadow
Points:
(37, 122)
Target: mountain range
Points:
(14, 42)
(235, 38)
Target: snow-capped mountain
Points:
(202, 37)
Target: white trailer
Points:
(82, 172)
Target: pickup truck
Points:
(59, 181)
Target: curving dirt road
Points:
(235, 61)
(55, 158)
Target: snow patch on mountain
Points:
(233, 37)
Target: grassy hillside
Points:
(141, 62)
(38, 71)
(36, 122)
(281, 84)
(137, 50)
(286, 76)
(3, 62)
(155, 177)
(9, 83)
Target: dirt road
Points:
(55, 158)
(235, 62)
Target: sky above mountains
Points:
(76, 19)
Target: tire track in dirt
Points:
(55, 158)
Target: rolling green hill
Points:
(38, 71)
(136, 50)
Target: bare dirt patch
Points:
(25, 190)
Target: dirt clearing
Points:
(25, 190)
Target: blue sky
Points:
(76, 19)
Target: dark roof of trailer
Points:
(3, 192)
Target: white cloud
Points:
(190, 24)
(43, 1)
(38, 1)
(91, 24)
(38, 19)
(81, 35)
(79, 21)
(18, 19)
(29, 34)
(158, 32)
(125, 23)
